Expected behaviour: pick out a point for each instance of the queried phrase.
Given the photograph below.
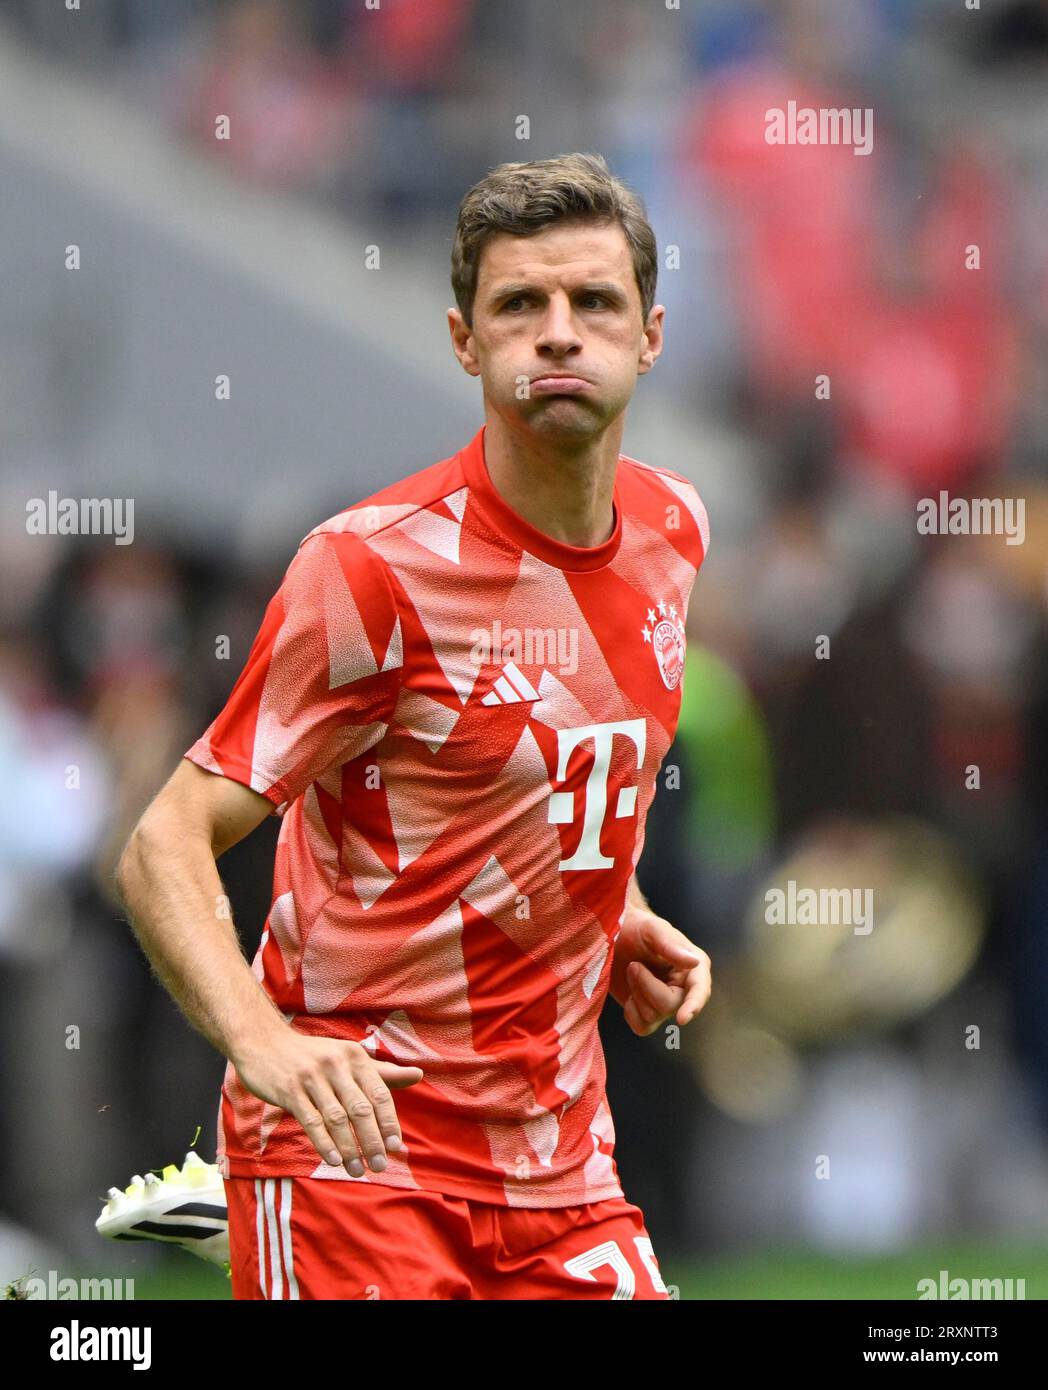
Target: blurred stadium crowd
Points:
(795, 262)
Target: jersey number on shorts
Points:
(609, 1252)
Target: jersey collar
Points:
(513, 526)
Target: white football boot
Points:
(184, 1207)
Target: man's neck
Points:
(565, 492)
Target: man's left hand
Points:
(657, 972)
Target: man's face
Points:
(563, 303)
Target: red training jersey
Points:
(460, 721)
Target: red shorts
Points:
(330, 1238)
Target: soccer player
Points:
(457, 702)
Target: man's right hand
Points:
(335, 1089)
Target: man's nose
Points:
(558, 331)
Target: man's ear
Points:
(652, 339)
(461, 342)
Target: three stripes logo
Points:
(276, 1258)
(511, 687)
(188, 1221)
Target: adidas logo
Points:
(511, 687)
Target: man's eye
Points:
(598, 297)
(517, 299)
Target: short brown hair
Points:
(524, 198)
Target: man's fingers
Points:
(374, 1086)
(636, 1020)
(338, 1093)
(663, 939)
(654, 999)
(696, 996)
(334, 1142)
(671, 976)
(361, 1091)
(680, 953)
(393, 1074)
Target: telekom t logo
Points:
(562, 804)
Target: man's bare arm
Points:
(624, 949)
(635, 896)
(168, 879)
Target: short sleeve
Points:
(322, 678)
(690, 496)
(697, 541)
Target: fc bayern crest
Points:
(667, 642)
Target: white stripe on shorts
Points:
(260, 1239)
(276, 1270)
(285, 1231)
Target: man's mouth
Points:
(559, 386)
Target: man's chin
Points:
(570, 416)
